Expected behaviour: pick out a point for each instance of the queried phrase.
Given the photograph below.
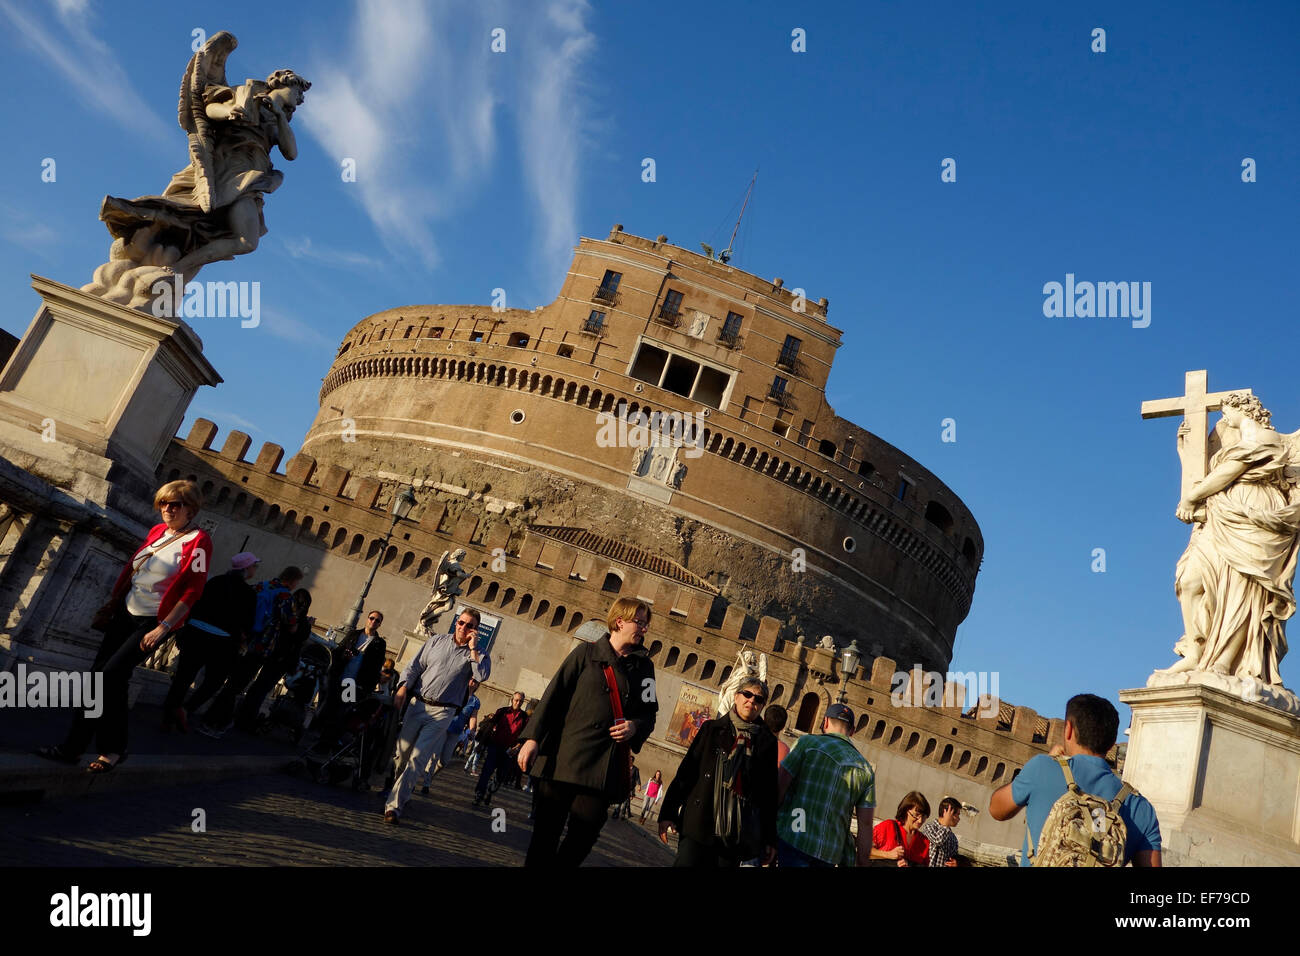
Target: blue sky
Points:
(478, 170)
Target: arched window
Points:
(525, 603)
(946, 756)
(656, 647)
(542, 607)
(691, 660)
(998, 771)
(895, 735)
(777, 691)
(613, 583)
(808, 712)
(938, 516)
(826, 447)
(425, 565)
(671, 659)
(575, 621)
(490, 594)
(709, 668)
(981, 766)
(558, 617)
(357, 541)
(879, 730)
(474, 584)
(726, 672)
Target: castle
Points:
(770, 518)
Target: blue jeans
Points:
(786, 855)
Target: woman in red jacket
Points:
(150, 601)
(900, 839)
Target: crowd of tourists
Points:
(741, 795)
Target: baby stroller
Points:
(292, 709)
(364, 732)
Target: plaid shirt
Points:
(943, 842)
(831, 780)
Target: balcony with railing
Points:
(669, 316)
(776, 393)
(790, 362)
(731, 338)
(605, 294)
(595, 325)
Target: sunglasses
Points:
(167, 505)
(750, 695)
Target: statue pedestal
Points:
(89, 400)
(1222, 772)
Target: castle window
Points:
(476, 336)
(707, 672)
(517, 340)
(777, 390)
(671, 659)
(789, 357)
(865, 469)
(649, 364)
(409, 330)
(805, 432)
(938, 516)
(679, 374)
(671, 310)
(808, 712)
(608, 288)
(433, 333)
(595, 324)
(780, 428)
(613, 583)
(691, 660)
(565, 351)
(904, 486)
(680, 377)
(730, 333)
(826, 448)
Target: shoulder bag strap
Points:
(611, 684)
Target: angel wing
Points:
(762, 668)
(206, 68)
(441, 569)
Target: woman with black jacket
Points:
(584, 733)
(723, 799)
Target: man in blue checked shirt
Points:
(437, 684)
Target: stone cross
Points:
(1194, 406)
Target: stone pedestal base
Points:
(1222, 772)
(88, 402)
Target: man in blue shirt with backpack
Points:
(1091, 727)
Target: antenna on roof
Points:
(725, 255)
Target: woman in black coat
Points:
(583, 750)
(735, 751)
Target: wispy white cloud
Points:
(416, 101)
(304, 248)
(282, 325)
(88, 63)
(228, 418)
(23, 229)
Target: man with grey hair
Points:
(737, 753)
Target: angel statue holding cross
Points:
(212, 209)
(1235, 581)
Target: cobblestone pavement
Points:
(282, 820)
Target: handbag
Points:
(622, 751)
(106, 615)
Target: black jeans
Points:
(494, 762)
(200, 651)
(223, 708)
(555, 803)
(275, 667)
(117, 659)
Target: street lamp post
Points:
(403, 502)
(848, 665)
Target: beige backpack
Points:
(1081, 829)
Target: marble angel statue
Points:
(447, 579)
(748, 664)
(1235, 581)
(212, 209)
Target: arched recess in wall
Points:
(490, 594)
(426, 564)
(542, 607)
(808, 712)
(671, 659)
(558, 617)
(726, 672)
(358, 541)
(340, 536)
(691, 660)
(656, 647)
(707, 671)
(407, 560)
(575, 621)
(613, 583)
(525, 603)
(474, 583)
